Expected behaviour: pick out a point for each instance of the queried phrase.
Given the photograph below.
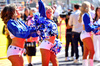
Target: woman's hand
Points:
(39, 0)
(98, 28)
(38, 32)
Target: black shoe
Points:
(29, 64)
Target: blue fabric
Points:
(97, 23)
(86, 20)
(51, 26)
(20, 29)
(46, 26)
(57, 46)
(42, 9)
(8, 2)
(33, 25)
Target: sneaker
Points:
(72, 58)
(66, 58)
(29, 64)
(97, 61)
(76, 61)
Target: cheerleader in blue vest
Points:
(18, 33)
(86, 20)
(46, 54)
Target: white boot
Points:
(91, 62)
(85, 62)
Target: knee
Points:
(55, 64)
(92, 52)
(85, 56)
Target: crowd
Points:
(39, 26)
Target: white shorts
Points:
(14, 50)
(85, 34)
(46, 45)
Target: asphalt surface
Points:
(36, 60)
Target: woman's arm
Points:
(86, 20)
(21, 31)
(42, 10)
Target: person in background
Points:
(30, 44)
(86, 19)
(26, 13)
(18, 32)
(92, 11)
(56, 13)
(6, 33)
(96, 38)
(35, 11)
(68, 38)
(76, 30)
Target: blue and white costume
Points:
(96, 42)
(88, 27)
(50, 30)
(20, 29)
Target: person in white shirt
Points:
(92, 11)
(76, 30)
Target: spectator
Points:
(6, 33)
(68, 38)
(76, 30)
(30, 44)
(92, 12)
(26, 13)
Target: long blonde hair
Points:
(84, 9)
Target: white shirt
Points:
(92, 13)
(73, 20)
(56, 13)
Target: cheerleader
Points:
(18, 33)
(86, 19)
(46, 54)
(96, 38)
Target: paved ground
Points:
(36, 61)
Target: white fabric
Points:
(46, 45)
(56, 13)
(96, 42)
(73, 20)
(90, 62)
(92, 12)
(84, 34)
(85, 62)
(11, 35)
(12, 51)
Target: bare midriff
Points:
(83, 27)
(51, 39)
(19, 42)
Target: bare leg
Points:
(16, 60)
(89, 44)
(45, 57)
(85, 52)
(29, 58)
(53, 59)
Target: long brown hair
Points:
(7, 13)
(95, 18)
